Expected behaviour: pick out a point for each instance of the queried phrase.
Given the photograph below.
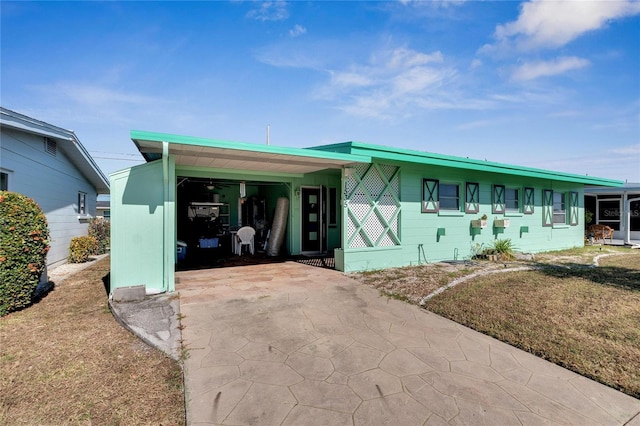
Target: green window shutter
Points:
(472, 198)
(529, 201)
(574, 208)
(430, 196)
(498, 199)
(547, 207)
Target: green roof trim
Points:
(422, 157)
(358, 152)
(137, 135)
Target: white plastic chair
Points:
(245, 237)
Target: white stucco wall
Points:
(53, 182)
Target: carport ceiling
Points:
(198, 152)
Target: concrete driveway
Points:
(291, 344)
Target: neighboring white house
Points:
(103, 209)
(618, 208)
(50, 165)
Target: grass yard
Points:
(412, 283)
(66, 360)
(584, 319)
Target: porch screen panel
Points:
(373, 206)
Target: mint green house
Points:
(371, 206)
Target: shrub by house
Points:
(81, 248)
(100, 229)
(24, 243)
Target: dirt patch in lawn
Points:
(412, 283)
(66, 360)
(582, 318)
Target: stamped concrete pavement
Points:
(290, 344)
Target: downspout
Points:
(165, 218)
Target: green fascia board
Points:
(421, 157)
(137, 135)
(358, 152)
(343, 147)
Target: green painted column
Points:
(169, 219)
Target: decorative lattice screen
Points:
(372, 194)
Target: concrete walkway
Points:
(289, 344)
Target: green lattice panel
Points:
(373, 206)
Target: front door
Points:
(313, 220)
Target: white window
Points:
(559, 208)
(449, 196)
(512, 199)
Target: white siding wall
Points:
(53, 182)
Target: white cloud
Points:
(417, 79)
(371, 105)
(403, 57)
(350, 79)
(297, 31)
(91, 95)
(84, 102)
(391, 83)
(475, 124)
(270, 11)
(299, 52)
(627, 150)
(433, 3)
(529, 97)
(597, 163)
(533, 70)
(565, 114)
(553, 23)
(476, 63)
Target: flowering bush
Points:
(24, 243)
(100, 229)
(81, 248)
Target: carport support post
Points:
(168, 182)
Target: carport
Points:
(152, 207)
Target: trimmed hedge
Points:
(100, 229)
(24, 243)
(80, 248)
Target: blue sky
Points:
(553, 85)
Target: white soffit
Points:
(245, 159)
